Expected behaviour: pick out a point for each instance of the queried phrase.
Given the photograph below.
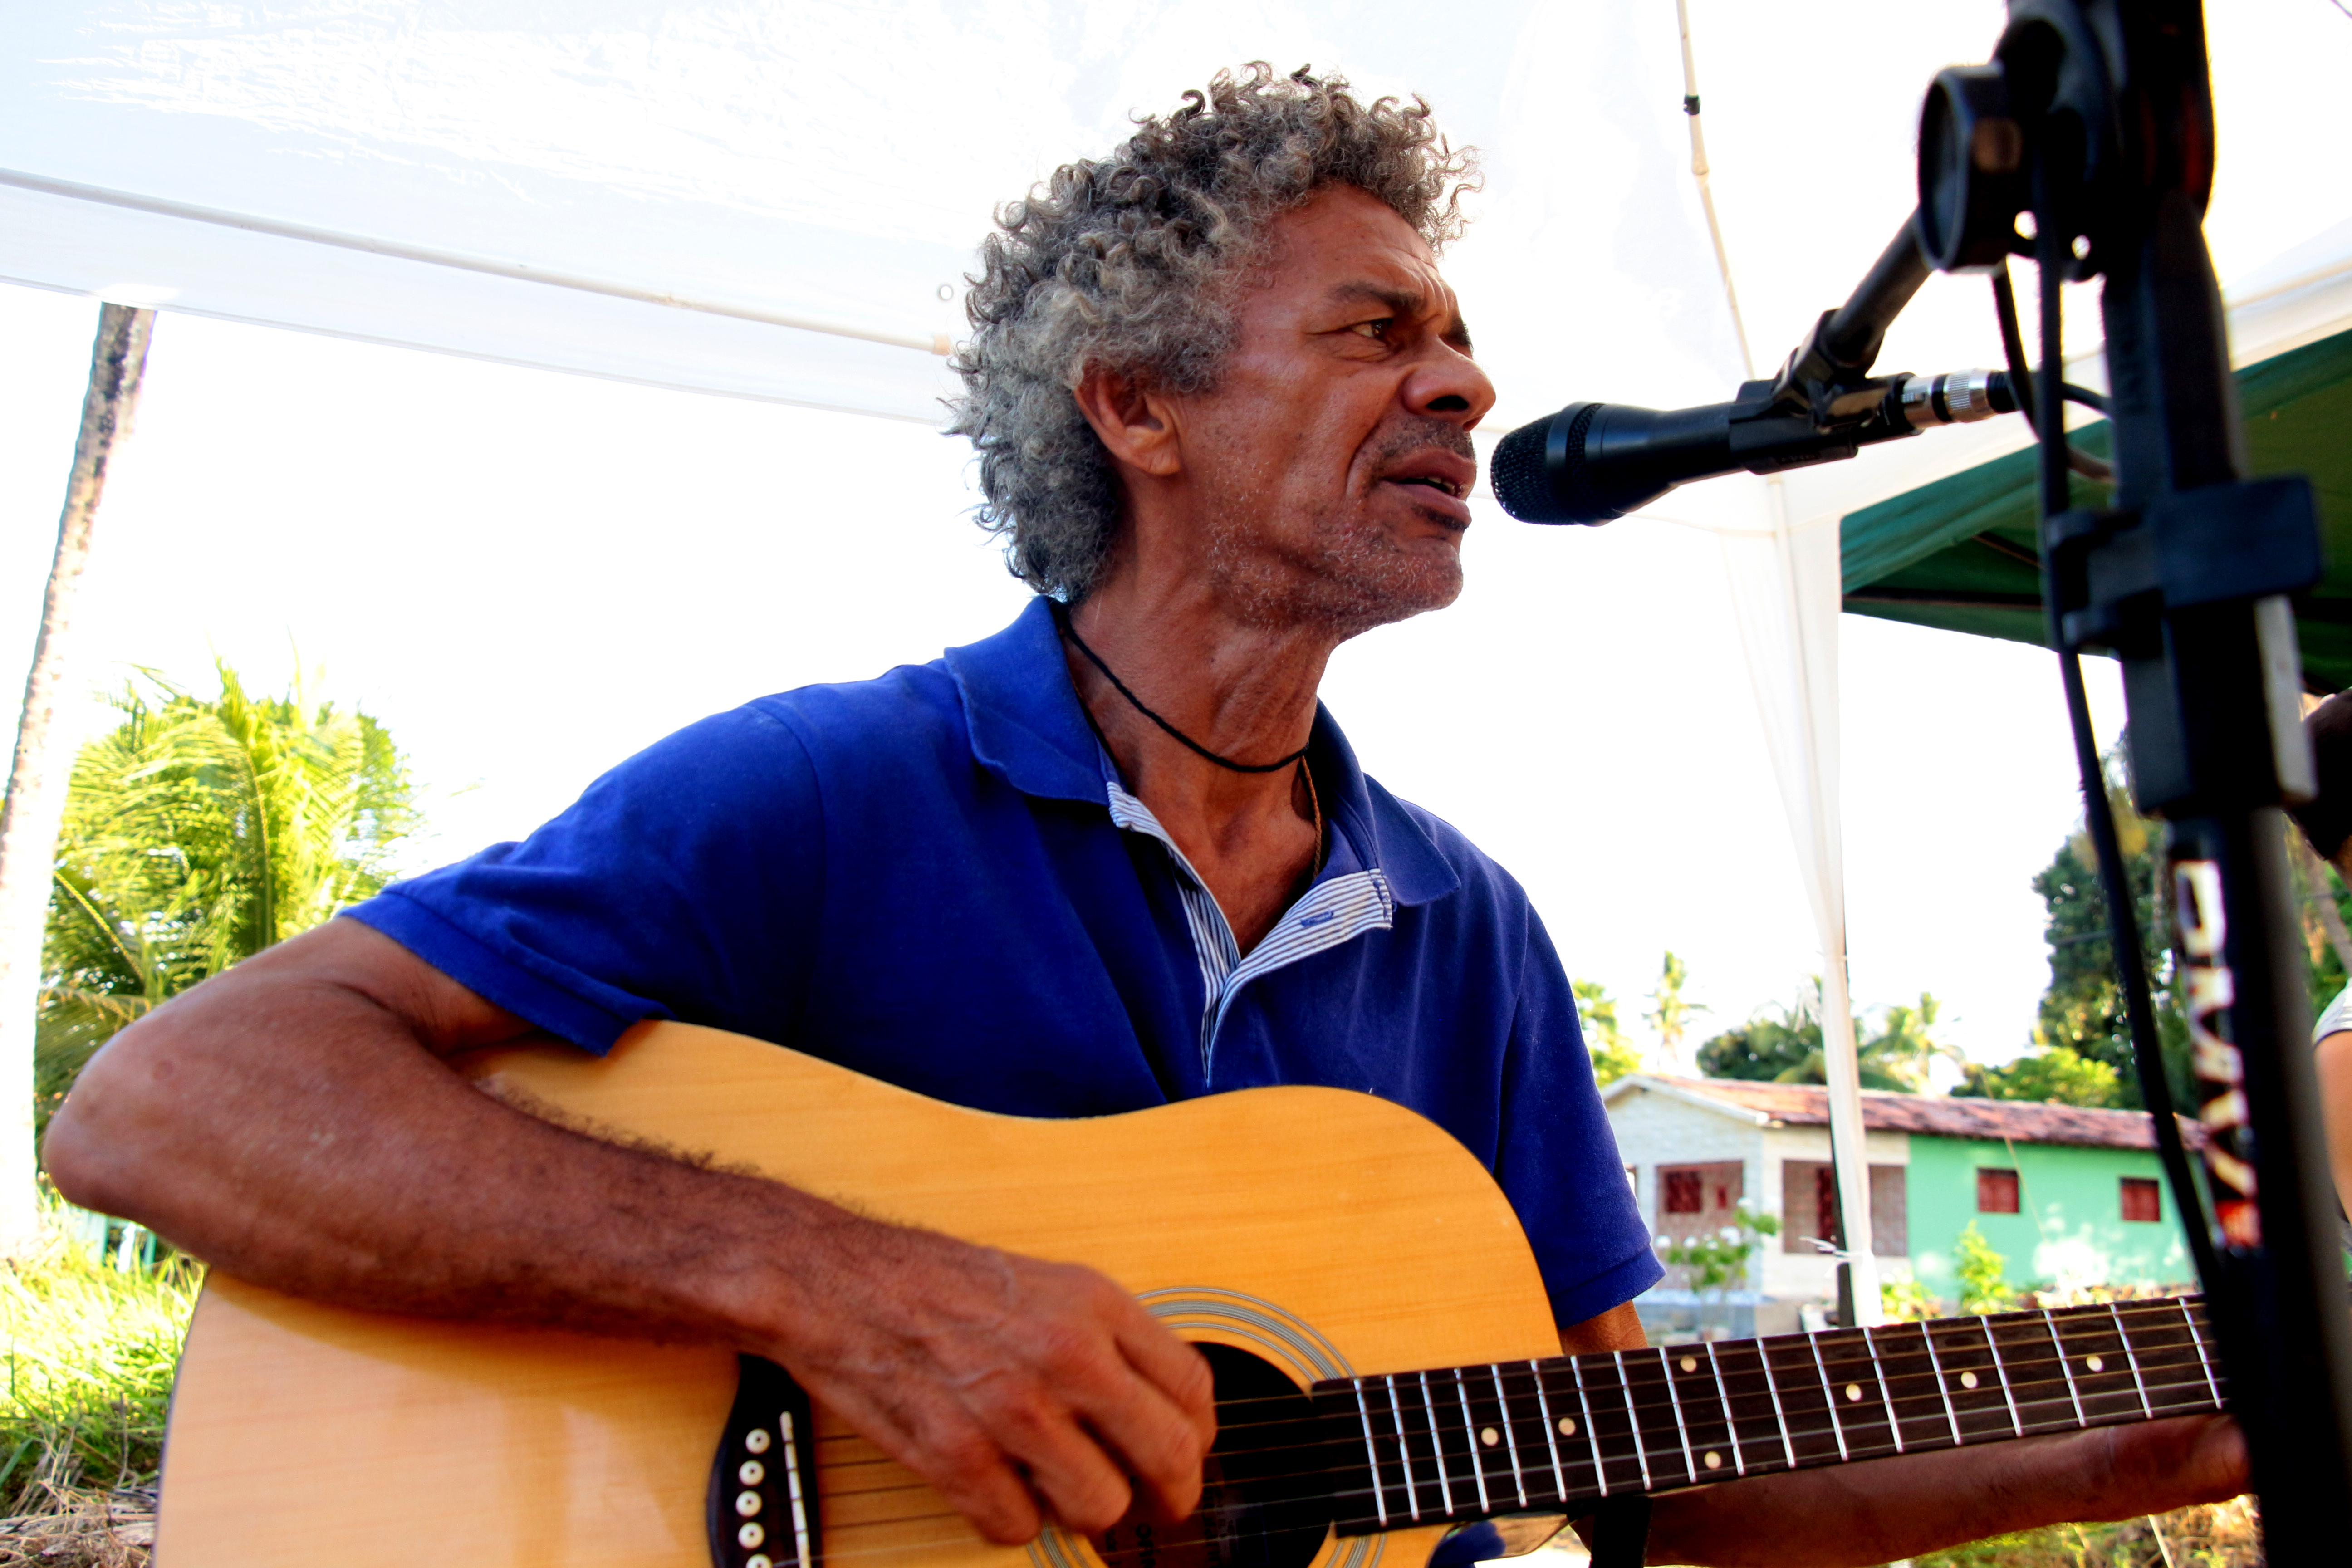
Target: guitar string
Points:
(2029, 1380)
(2164, 1311)
(966, 1534)
(1876, 1434)
(2158, 1361)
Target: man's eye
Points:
(1377, 331)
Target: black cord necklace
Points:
(1062, 619)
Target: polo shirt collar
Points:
(1027, 729)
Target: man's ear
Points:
(1134, 420)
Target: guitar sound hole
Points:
(1266, 1499)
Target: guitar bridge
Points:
(761, 1508)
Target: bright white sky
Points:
(527, 574)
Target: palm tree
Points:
(196, 833)
(1787, 1048)
(28, 819)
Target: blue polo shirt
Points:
(936, 879)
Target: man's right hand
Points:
(295, 1121)
(1022, 1391)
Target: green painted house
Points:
(2068, 1196)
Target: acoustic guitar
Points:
(1387, 1367)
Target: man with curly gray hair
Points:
(1114, 857)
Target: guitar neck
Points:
(1463, 1443)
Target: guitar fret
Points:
(1510, 1433)
(1885, 1395)
(1730, 1425)
(1551, 1432)
(1438, 1450)
(1632, 1420)
(1474, 1441)
(1981, 1408)
(2199, 1341)
(1928, 1337)
(1404, 1451)
(1911, 1383)
(1371, 1455)
(1788, 1449)
(2132, 1356)
(1702, 1416)
(2107, 1391)
(1682, 1428)
(1829, 1393)
(1591, 1428)
(2058, 1348)
(2001, 1370)
(1756, 1420)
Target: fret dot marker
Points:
(1489, 1437)
(1714, 1460)
(1568, 1425)
(2093, 1363)
(1690, 1363)
(1968, 1380)
(1853, 1391)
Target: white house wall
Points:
(1812, 1276)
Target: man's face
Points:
(1332, 463)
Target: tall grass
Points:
(91, 1356)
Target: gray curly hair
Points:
(1129, 263)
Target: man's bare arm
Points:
(295, 1121)
(1885, 1510)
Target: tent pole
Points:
(1706, 193)
(36, 786)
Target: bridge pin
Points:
(751, 1472)
(747, 1503)
(757, 1440)
(750, 1535)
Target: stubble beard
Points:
(1341, 575)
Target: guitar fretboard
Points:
(1463, 1443)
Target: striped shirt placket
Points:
(1331, 913)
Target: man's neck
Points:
(1243, 692)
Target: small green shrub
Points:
(91, 1356)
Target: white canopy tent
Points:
(778, 202)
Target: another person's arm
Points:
(1885, 1510)
(2334, 1063)
(294, 1121)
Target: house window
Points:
(1809, 1207)
(1995, 1191)
(1698, 1200)
(2142, 1199)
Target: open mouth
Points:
(1435, 482)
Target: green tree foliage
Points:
(1978, 1266)
(197, 832)
(2081, 1011)
(1613, 1056)
(1784, 1046)
(2058, 1075)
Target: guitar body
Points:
(1327, 1232)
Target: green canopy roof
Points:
(1958, 555)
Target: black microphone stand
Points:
(2096, 116)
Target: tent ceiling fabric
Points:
(1959, 554)
(831, 164)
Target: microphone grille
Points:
(1523, 478)
(1520, 482)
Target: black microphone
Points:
(1595, 462)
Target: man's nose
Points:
(1449, 385)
